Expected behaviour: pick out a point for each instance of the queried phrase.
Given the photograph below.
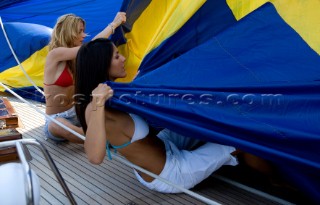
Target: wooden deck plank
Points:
(74, 180)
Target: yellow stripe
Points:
(160, 20)
(302, 15)
(34, 66)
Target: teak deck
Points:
(111, 182)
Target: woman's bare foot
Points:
(261, 165)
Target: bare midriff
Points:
(148, 153)
(58, 99)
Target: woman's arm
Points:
(62, 54)
(95, 142)
(108, 30)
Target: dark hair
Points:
(93, 63)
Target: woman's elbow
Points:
(95, 154)
(94, 159)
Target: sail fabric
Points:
(97, 14)
(221, 14)
(210, 19)
(30, 52)
(149, 24)
(302, 16)
(254, 85)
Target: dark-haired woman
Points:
(181, 160)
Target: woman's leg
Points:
(59, 132)
(206, 159)
(257, 163)
(180, 141)
(187, 168)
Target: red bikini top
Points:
(64, 80)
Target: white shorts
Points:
(188, 168)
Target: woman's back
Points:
(147, 152)
(59, 97)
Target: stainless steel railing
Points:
(27, 169)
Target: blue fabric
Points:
(258, 91)
(22, 38)
(211, 18)
(8, 3)
(97, 14)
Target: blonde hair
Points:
(65, 32)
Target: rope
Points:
(24, 91)
(17, 60)
(116, 156)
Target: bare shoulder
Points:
(51, 59)
(53, 53)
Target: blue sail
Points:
(254, 85)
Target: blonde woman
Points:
(67, 37)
